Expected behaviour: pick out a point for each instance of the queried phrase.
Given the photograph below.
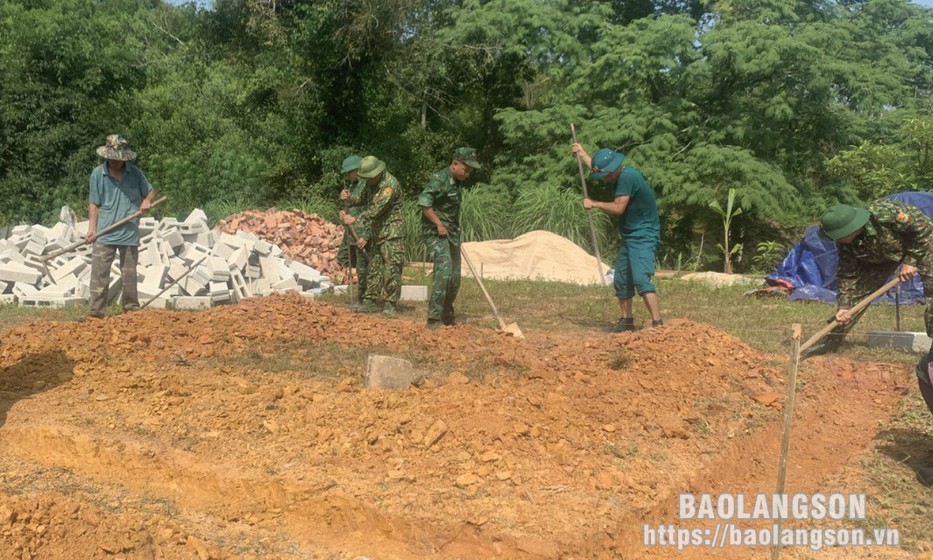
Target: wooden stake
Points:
(589, 215)
(788, 422)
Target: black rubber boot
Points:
(658, 323)
(625, 324)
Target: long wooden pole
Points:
(788, 422)
(589, 215)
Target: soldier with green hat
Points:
(384, 224)
(440, 222)
(872, 243)
(355, 197)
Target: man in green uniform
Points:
(639, 227)
(354, 197)
(384, 223)
(117, 190)
(440, 222)
(872, 243)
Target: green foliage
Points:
(486, 213)
(728, 214)
(550, 207)
(768, 254)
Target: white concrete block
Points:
(189, 303)
(173, 238)
(414, 293)
(218, 269)
(19, 273)
(239, 259)
(286, 285)
(22, 289)
(177, 270)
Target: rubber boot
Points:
(625, 324)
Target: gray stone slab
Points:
(906, 341)
(386, 372)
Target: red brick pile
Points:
(306, 238)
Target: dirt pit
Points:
(245, 432)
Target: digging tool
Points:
(589, 214)
(175, 281)
(44, 259)
(511, 328)
(108, 229)
(855, 309)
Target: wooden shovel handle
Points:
(107, 229)
(855, 309)
(482, 287)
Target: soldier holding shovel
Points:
(440, 222)
(355, 198)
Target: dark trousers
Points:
(101, 259)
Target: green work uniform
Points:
(640, 229)
(895, 233)
(384, 220)
(444, 194)
(348, 254)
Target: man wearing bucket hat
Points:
(355, 197)
(639, 227)
(117, 189)
(384, 222)
(872, 243)
(440, 222)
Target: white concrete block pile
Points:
(200, 267)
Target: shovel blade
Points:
(512, 329)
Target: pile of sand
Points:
(537, 255)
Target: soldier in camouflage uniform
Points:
(384, 222)
(440, 222)
(872, 243)
(354, 197)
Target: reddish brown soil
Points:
(244, 432)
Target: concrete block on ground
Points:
(50, 301)
(158, 303)
(307, 276)
(386, 372)
(67, 284)
(193, 287)
(190, 303)
(218, 269)
(21, 229)
(173, 238)
(73, 267)
(906, 341)
(22, 289)
(414, 293)
(19, 273)
(270, 269)
(286, 285)
(177, 270)
(222, 250)
(238, 259)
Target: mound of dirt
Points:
(254, 418)
(537, 255)
(306, 238)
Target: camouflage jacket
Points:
(895, 232)
(385, 217)
(360, 197)
(444, 194)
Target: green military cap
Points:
(371, 166)
(351, 163)
(842, 220)
(467, 156)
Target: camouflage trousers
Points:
(348, 255)
(873, 276)
(101, 259)
(384, 278)
(446, 258)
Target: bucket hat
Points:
(371, 166)
(115, 148)
(842, 220)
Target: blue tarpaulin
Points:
(810, 266)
